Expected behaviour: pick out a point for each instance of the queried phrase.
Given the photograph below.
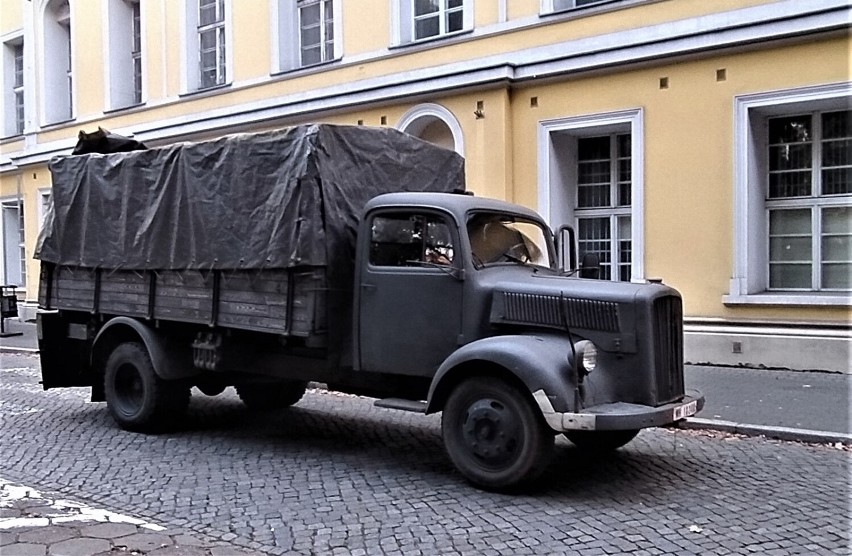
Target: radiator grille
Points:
(668, 344)
(525, 308)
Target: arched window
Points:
(433, 123)
(58, 85)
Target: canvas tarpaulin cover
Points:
(283, 199)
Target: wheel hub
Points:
(490, 432)
(129, 389)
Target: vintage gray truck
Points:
(346, 256)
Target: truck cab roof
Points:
(458, 204)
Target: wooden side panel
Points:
(46, 286)
(275, 301)
(74, 288)
(184, 295)
(254, 300)
(124, 292)
(309, 313)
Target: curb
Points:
(13, 349)
(780, 433)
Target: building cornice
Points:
(693, 37)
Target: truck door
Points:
(410, 293)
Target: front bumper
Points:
(620, 415)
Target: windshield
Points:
(501, 238)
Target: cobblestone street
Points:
(335, 475)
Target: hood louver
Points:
(545, 310)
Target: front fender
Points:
(540, 362)
(165, 356)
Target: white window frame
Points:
(18, 89)
(749, 282)
(548, 7)
(12, 90)
(20, 246)
(612, 212)
(557, 180)
(45, 200)
(137, 54)
(216, 28)
(286, 38)
(323, 16)
(402, 22)
(119, 69)
(59, 56)
(190, 48)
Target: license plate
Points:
(685, 410)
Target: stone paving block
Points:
(49, 535)
(232, 551)
(143, 542)
(8, 537)
(79, 547)
(188, 540)
(24, 549)
(108, 530)
(179, 551)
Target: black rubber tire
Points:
(494, 434)
(137, 398)
(601, 441)
(262, 396)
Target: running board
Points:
(404, 405)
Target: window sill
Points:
(305, 70)
(200, 92)
(54, 125)
(125, 108)
(790, 299)
(430, 40)
(591, 9)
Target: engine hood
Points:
(607, 313)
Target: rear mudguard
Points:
(542, 362)
(170, 361)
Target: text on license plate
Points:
(685, 410)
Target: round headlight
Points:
(587, 356)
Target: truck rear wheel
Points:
(137, 398)
(601, 441)
(494, 435)
(271, 395)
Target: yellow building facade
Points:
(707, 144)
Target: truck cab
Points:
(467, 292)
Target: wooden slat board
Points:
(254, 300)
(185, 296)
(124, 292)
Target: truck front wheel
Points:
(601, 441)
(137, 398)
(494, 435)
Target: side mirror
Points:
(591, 266)
(565, 252)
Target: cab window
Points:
(410, 240)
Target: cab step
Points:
(404, 405)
